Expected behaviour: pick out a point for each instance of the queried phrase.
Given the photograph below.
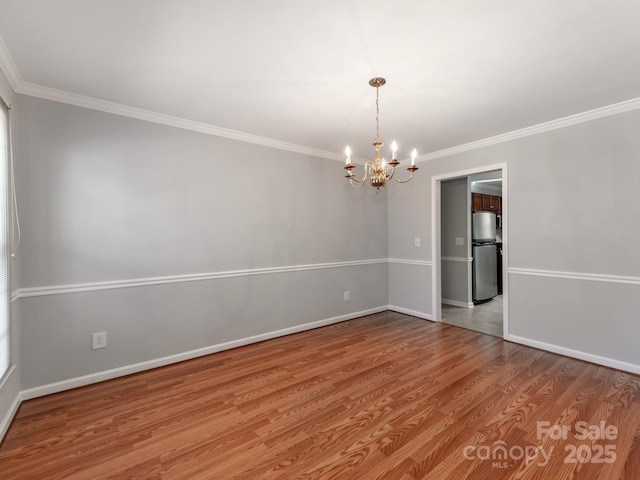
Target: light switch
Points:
(459, 241)
(417, 241)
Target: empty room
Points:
(344, 239)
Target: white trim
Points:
(569, 352)
(421, 263)
(13, 408)
(591, 277)
(457, 303)
(180, 357)
(139, 367)
(5, 378)
(11, 413)
(413, 313)
(616, 108)
(170, 120)
(436, 248)
(457, 259)
(195, 277)
(9, 68)
(20, 86)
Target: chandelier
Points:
(379, 171)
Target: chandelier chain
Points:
(377, 114)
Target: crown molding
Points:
(20, 86)
(25, 88)
(9, 68)
(61, 96)
(587, 116)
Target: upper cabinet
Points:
(476, 202)
(486, 203)
(491, 203)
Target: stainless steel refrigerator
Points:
(485, 258)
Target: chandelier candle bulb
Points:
(347, 151)
(414, 154)
(394, 150)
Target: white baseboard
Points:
(8, 418)
(456, 303)
(139, 367)
(413, 313)
(160, 362)
(13, 409)
(569, 352)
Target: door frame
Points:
(436, 247)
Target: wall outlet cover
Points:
(99, 340)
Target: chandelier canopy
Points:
(379, 171)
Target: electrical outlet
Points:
(416, 241)
(347, 295)
(99, 340)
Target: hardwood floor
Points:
(386, 396)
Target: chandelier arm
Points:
(393, 172)
(367, 171)
(411, 170)
(359, 184)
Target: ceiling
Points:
(297, 71)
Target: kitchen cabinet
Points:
(486, 203)
(490, 203)
(476, 202)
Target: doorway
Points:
(455, 271)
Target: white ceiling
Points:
(297, 70)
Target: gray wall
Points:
(573, 203)
(455, 264)
(120, 217)
(410, 266)
(10, 385)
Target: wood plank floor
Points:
(386, 396)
